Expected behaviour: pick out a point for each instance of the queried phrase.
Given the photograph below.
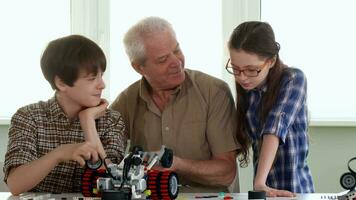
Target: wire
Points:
(108, 169)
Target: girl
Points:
(271, 106)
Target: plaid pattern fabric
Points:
(39, 128)
(287, 120)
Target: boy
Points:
(50, 141)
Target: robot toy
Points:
(348, 182)
(133, 178)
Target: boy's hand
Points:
(87, 121)
(78, 152)
(94, 112)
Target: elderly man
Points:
(190, 112)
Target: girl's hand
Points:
(271, 192)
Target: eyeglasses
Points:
(250, 72)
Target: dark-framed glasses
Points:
(250, 71)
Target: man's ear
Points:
(137, 67)
(60, 85)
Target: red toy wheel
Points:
(163, 185)
(89, 177)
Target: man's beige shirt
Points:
(199, 121)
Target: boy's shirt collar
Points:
(56, 111)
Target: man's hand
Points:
(219, 170)
(158, 167)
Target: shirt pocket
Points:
(192, 140)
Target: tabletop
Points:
(182, 196)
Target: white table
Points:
(183, 196)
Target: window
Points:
(317, 42)
(319, 37)
(26, 28)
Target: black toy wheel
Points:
(92, 165)
(167, 158)
(162, 184)
(348, 181)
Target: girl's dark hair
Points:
(257, 38)
(67, 56)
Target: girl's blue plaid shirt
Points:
(289, 122)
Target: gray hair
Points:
(135, 36)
